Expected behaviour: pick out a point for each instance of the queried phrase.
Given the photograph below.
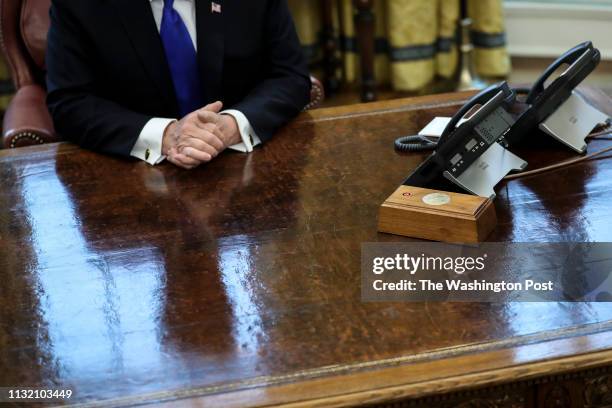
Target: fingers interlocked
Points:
(197, 138)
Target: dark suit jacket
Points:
(107, 73)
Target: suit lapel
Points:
(138, 21)
(210, 47)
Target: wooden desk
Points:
(237, 284)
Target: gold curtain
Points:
(6, 85)
(416, 40)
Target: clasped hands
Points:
(200, 136)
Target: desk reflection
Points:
(115, 290)
(565, 205)
(118, 279)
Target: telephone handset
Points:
(489, 99)
(581, 61)
(468, 153)
(471, 152)
(543, 102)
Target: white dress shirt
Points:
(148, 146)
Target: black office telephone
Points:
(469, 154)
(472, 154)
(544, 100)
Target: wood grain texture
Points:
(465, 218)
(238, 283)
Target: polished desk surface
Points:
(239, 283)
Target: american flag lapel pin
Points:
(215, 7)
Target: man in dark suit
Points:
(149, 78)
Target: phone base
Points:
(437, 215)
(484, 174)
(572, 122)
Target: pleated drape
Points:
(6, 85)
(416, 40)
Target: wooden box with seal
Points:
(437, 215)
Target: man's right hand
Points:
(189, 142)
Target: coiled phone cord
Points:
(416, 143)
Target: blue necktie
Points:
(182, 60)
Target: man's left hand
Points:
(225, 124)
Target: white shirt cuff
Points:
(247, 133)
(148, 146)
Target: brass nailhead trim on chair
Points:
(317, 99)
(25, 135)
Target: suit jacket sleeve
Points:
(285, 90)
(78, 113)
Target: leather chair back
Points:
(24, 25)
